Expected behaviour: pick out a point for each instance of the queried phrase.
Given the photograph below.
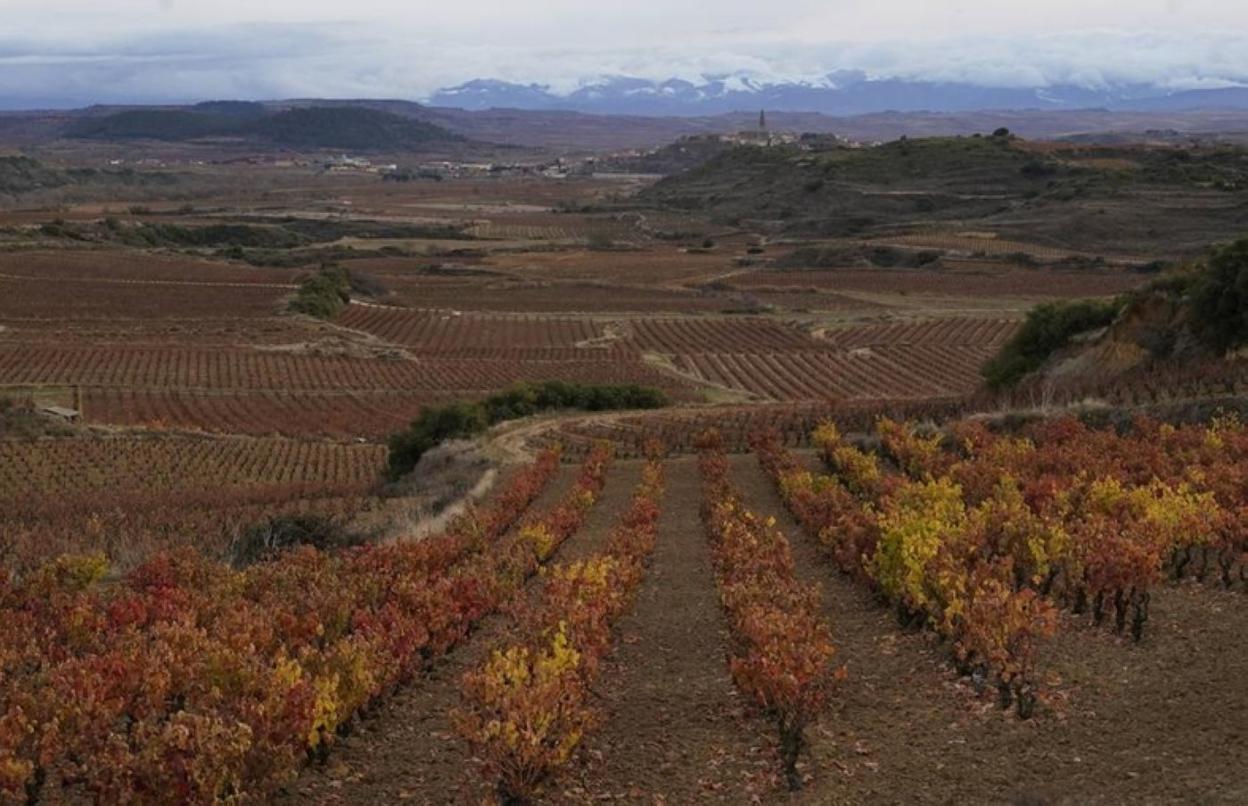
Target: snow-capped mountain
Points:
(841, 93)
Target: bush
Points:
(265, 540)
(323, 295)
(1220, 298)
(212, 235)
(1048, 328)
(435, 425)
(366, 284)
(463, 420)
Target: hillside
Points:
(20, 175)
(683, 155)
(1195, 317)
(355, 128)
(362, 129)
(1099, 199)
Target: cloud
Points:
(259, 60)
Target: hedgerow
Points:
(463, 420)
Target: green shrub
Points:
(1220, 298)
(1177, 282)
(323, 295)
(1048, 328)
(264, 540)
(366, 284)
(434, 426)
(224, 235)
(463, 420)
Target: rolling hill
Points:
(1095, 199)
(20, 175)
(346, 127)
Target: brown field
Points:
(62, 466)
(182, 341)
(922, 371)
(444, 332)
(972, 243)
(28, 297)
(971, 279)
(332, 415)
(183, 369)
(681, 335)
(657, 264)
(131, 494)
(145, 268)
(542, 296)
(261, 332)
(969, 333)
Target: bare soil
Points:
(1159, 722)
(1163, 721)
(409, 749)
(676, 730)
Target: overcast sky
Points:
(68, 52)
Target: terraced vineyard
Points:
(188, 368)
(129, 497)
(970, 333)
(158, 464)
(863, 373)
(687, 334)
(336, 415)
(457, 334)
(28, 297)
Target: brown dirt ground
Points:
(1161, 722)
(675, 729)
(409, 749)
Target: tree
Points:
(1220, 300)
(1048, 328)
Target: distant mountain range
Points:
(841, 93)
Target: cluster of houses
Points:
(348, 164)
